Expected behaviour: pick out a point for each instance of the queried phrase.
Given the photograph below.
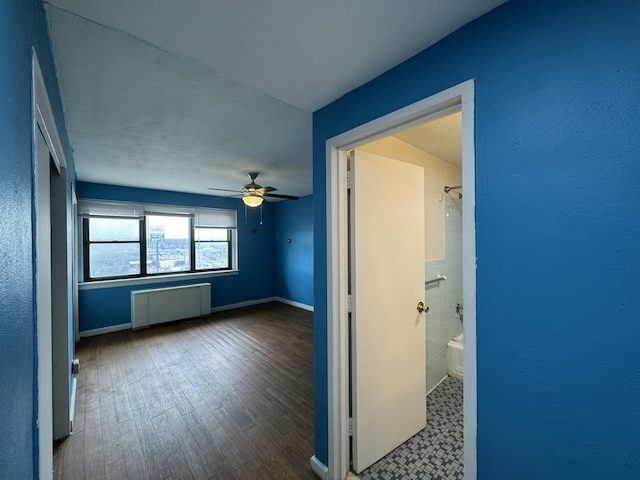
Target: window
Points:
(168, 244)
(213, 248)
(123, 240)
(113, 246)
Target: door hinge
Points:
(350, 427)
(348, 303)
(349, 180)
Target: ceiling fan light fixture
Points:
(252, 199)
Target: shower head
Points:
(447, 189)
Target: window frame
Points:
(87, 242)
(228, 241)
(142, 217)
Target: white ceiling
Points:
(442, 138)
(194, 94)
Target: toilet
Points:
(455, 350)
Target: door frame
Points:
(459, 96)
(43, 120)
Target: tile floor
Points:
(436, 452)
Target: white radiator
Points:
(159, 305)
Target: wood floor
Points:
(228, 396)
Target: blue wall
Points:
(22, 25)
(294, 261)
(106, 307)
(557, 167)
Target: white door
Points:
(387, 282)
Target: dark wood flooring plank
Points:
(228, 437)
(167, 444)
(93, 453)
(134, 458)
(156, 460)
(176, 397)
(111, 440)
(121, 398)
(90, 388)
(117, 470)
(69, 452)
(186, 443)
(207, 445)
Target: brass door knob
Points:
(422, 308)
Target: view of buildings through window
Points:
(115, 248)
(168, 244)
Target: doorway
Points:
(458, 97)
(436, 450)
(386, 270)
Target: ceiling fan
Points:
(253, 194)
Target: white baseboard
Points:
(437, 384)
(248, 303)
(231, 306)
(100, 331)
(304, 306)
(319, 468)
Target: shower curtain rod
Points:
(448, 189)
(434, 280)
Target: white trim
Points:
(248, 303)
(319, 468)
(461, 95)
(42, 278)
(103, 330)
(149, 280)
(44, 116)
(437, 384)
(337, 310)
(469, 263)
(303, 306)
(76, 262)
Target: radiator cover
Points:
(160, 305)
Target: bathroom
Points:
(443, 293)
(437, 147)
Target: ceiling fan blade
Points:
(276, 195)
(254, 189)
(224, 190)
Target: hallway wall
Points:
(22, 27)
(556, 144)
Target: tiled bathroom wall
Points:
(442, 321)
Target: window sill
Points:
(127, 282)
